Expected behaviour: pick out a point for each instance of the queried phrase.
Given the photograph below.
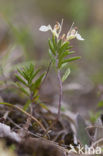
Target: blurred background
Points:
(21, 41)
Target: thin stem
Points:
(32, 103)
(60, 94)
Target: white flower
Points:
(74, 34)
(55, 31)
(78, 36)
(45, 28)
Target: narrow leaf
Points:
(37, 83)
(44, 106)
(64, 54)
(22, 73)
(59, 44)
(65, 76)
(22, 89)
(64, 47)
(33, 75)
(21, 80)
(51, 47)
(68, 60)
(51, 56)
(54, 42)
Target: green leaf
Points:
(54, 42)
(51, 56)
(51, 47)
(22, 73)
(44, 106)
(67, 60)
(37, 83)
(94, 116)
(20, 65)
(26, 106)
(65, 66)
(30, 69)
(27, 72)
(70, 59)
(33, 75)
(65, 76)
(100, 104)
(22, 89)
(64, 47)
(63, 109)
(21, 80)
(59, 44)
(36, 98)
(64, 54)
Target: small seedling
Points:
(59, 51)
(28, 83)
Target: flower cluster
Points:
(56, 31)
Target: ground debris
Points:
(5, 131)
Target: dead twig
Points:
(26, 113)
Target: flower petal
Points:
(45, 28)
(78, 36)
